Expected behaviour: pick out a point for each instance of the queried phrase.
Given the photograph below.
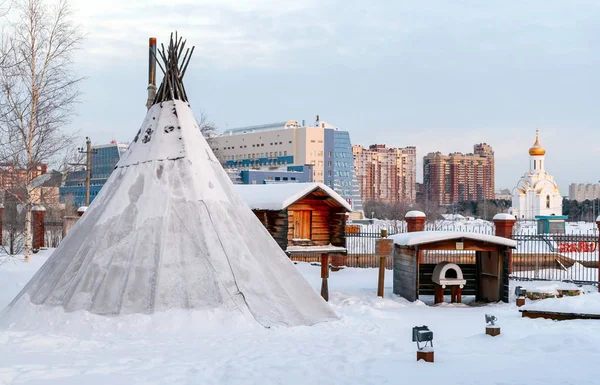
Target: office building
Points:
(104, 159)
(325, 148)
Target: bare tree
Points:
(209, 130)
(38, 89)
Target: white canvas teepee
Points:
(169, 231)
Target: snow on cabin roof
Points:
(278, 196)
(423, 237)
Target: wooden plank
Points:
(557, 316)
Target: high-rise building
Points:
(386, 174)
(584, 191)
(104, 159)
(459, 177)
(324, 147)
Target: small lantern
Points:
(422, 335)
(521, 293)
(491, 328)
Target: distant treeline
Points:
(587, 210)
(482, 209)
(581, 211)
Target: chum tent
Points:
(169, 231)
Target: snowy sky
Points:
(436, 74)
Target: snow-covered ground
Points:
(369, 344)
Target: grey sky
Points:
(440, 75)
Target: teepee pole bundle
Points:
(174, 68)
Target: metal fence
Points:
(556, 257)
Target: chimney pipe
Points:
(151, 71)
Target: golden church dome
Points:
(537, 148)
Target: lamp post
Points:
(88, 150)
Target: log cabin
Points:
(299, 214)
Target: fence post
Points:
(38, 212)
(415, 221)
(504, 224)
(598, 251)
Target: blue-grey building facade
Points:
(104, 159)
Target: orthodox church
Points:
(536, 193)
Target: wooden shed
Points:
(486, 278)
(299, 214)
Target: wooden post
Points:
(324, 276)
(438, 294)
(520, 301)
(381, 281)
(384, 248)
(492, 331)
(425, 355)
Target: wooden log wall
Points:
(337, 227)
(405, 273)
(276, 223)
(320, 221)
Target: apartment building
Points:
(386, 174)
(459, 177)
(584, 191)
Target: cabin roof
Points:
(425, 237)
(279, 196)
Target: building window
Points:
(262, 144)
(285, 153)
(329, 154)
(547, 201)
(329, 164)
